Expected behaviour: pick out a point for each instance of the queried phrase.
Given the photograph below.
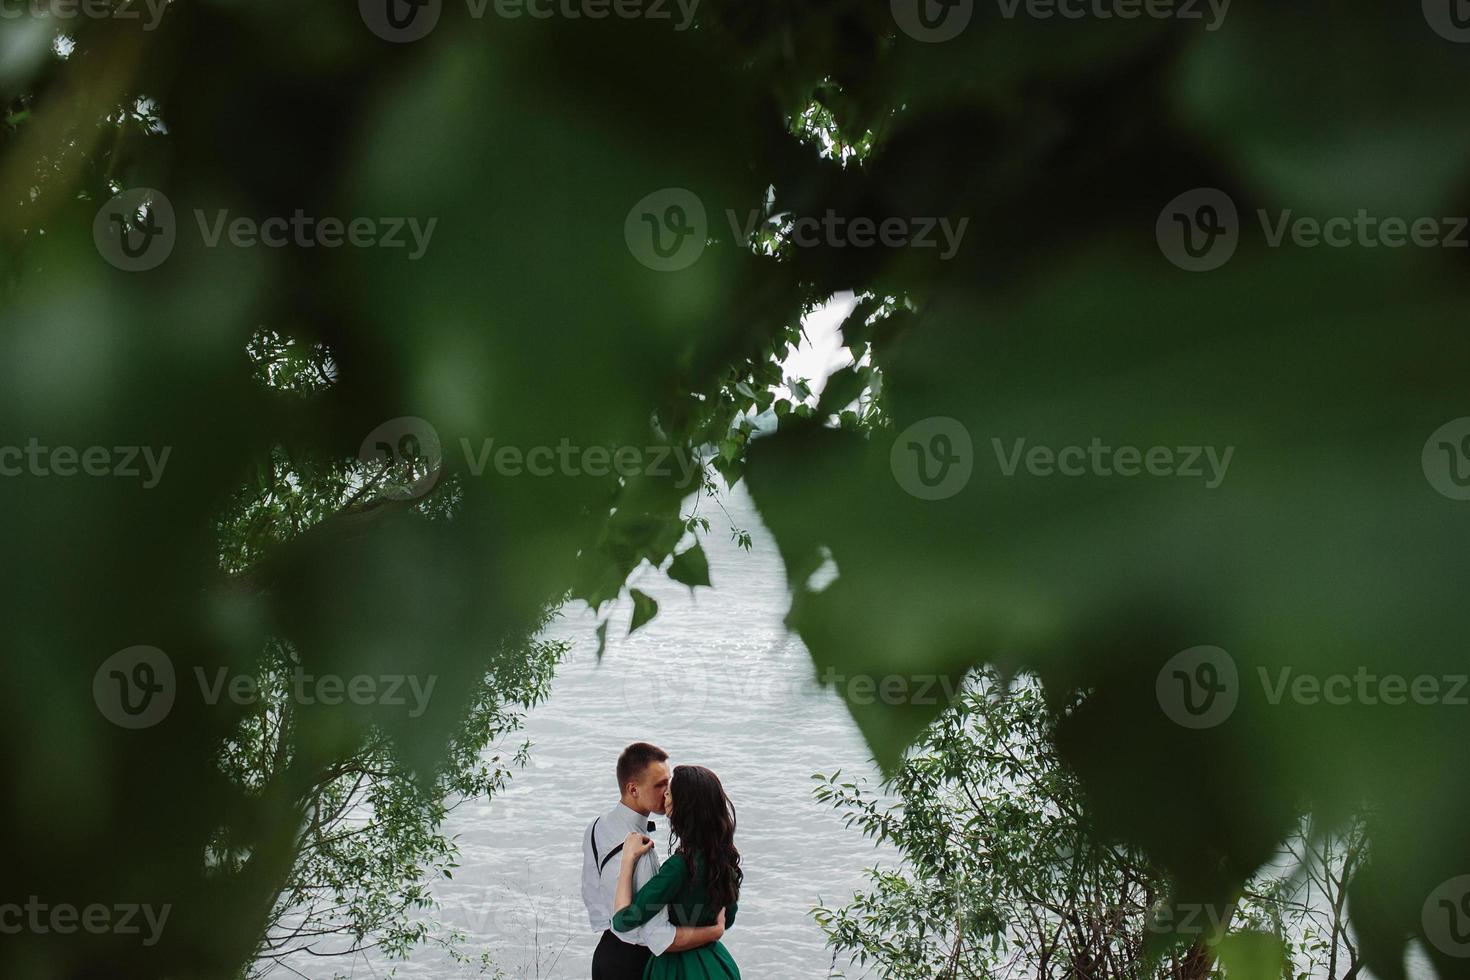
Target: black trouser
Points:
(617, 960)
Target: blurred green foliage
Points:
(1000, 875)
(530, 321)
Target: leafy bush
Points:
(1002, 874)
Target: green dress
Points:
(689, 905)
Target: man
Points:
(643, 781)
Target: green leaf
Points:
(1251, 956)
(842, 388)
(731, 470)
(691, 567)
(644, 609)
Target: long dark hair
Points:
(703, 821)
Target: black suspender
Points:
(610, 855)
(602, 861)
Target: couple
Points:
(626, 890)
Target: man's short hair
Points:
(636, 759)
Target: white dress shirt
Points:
(600, 884)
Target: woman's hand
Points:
(636, 846)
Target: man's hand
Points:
(693, 937)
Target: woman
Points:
(701, 877)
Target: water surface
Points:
(716, 680)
